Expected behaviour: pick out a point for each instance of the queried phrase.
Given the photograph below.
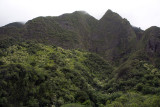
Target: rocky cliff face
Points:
(151, 41)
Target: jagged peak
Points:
(109, 11)
(110, 14)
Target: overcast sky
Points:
(140, 13)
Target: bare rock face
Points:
(151, 40)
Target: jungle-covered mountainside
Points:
(75, 60)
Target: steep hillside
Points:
(139, 32)
(151, 40)
(39, 75)
(68, 31)
(114, 37)
(11, 34)
(140, 71)
(76, 60)
(151, 44)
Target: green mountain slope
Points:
(68, 31)
(39, 75)
(36, 74)
(77, 60)
(114, 37)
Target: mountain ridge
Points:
(79, 26)
(77, 60)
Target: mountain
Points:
(151, 44)
(114, 37)
(15, 24)
(69, 31)
(151, 40)
(76, 60)
(111, 36)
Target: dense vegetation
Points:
(75, 60)
(36, 74)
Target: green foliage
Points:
(73, 105)
(132, 99)
(135, 74)
(40, 75)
